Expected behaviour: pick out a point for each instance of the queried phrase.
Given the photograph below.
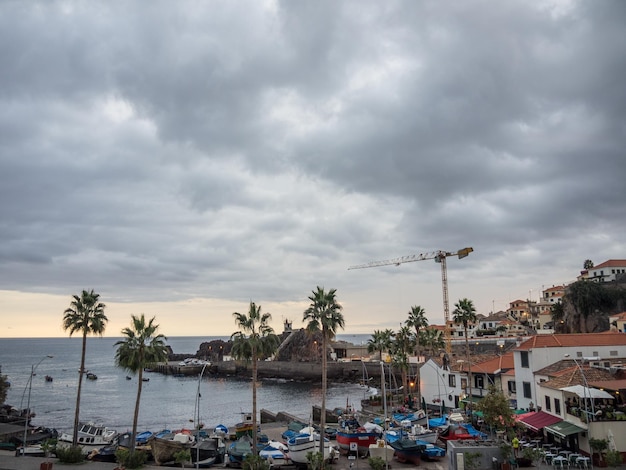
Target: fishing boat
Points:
(308, 440)
(276, 453)
(90, 436)
(350, 432)
(164, 448)
(208, 451)
(417, 431)
(239, 450)
(245, 426)
(431, 451)
(92, 376)
(415, 417)
(142, 438)
(407, 450)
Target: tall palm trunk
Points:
(80, 386)
(136, 414)
(323, 410)
(254, 379)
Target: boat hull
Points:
(301, 444)
(163, 450)
(407, 450)
(363, 440)
(90, 437)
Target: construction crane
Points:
(440, 257)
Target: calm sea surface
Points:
(166, 401)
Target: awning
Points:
(588, 392)
(471, 399)
(539, 420)
(564, 429)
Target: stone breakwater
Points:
(300, 371)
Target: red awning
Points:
(539, 420)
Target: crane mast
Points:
(440, 257)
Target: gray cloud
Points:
(254, 150)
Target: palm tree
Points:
(254, 340)
(417, 319)
(464, 314)
(140, 348)
(380, 342)
(323, 314)
(85, 315)
(433, 340)
(403, 345)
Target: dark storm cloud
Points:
(254, 150)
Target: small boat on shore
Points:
(276, 453)
(308, 441)
(239, 450)
(91, 437)
(350, 432)
(164, 448)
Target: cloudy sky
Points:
(184, 158)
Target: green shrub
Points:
(128, 460)
(472, 460)
(315, 460)
(377, 463)
(72, 454)
(255, 462)
(182, 457)
(613, 458)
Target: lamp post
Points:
(198, 417)
(585, 389)
(33, 368)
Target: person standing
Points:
(515, 443)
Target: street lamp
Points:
(582, 372)
(198, 417)
(33, 368)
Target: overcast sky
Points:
(184, 158)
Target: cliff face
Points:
(587, 306)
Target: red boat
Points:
(455, 432)
(351, 432)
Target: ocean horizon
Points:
(167, 402)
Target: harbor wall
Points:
(354, 371)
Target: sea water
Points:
(167, 402)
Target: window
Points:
(527, 393)
(460, 333)
(463, 383)
(557, 406)
(524, 356)
(479, 381)
(613, 353)
(452, 380)
(579, 354)
(548, 405)
(511, 386)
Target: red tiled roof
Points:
(608, 338)
(501, 363)
(618, 316)
(611, 263)
(557, 288)
(539, 420)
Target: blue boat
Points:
(142, 438)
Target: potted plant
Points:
(598, 446)
(506, 450)
(529, 456)
(46, 446)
